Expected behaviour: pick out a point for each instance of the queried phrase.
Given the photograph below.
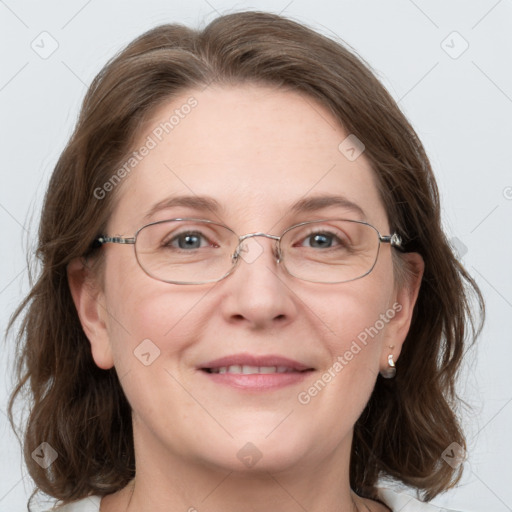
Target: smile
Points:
(251, 370)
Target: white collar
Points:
(400, 501)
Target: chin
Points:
(253, 452)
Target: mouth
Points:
(251, 370)
(255, 373)
(248, 364)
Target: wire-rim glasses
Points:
(199, 251)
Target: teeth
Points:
(250, 369)
(247, 370)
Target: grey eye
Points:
(320, 240)
(188, 240)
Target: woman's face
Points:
(255, 151)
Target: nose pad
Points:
(276, 250)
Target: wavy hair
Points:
(81, 410)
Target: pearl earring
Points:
(390, 371)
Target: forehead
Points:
(254, 150)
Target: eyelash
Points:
(175, 238)
(325, 232)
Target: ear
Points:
(89, 302)
(403, 307)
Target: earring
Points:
(390, 371)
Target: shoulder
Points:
(398, 500)
(88, 504)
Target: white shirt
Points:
(396, 501)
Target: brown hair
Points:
(81, 410)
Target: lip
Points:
(296, 372)
(253, 360)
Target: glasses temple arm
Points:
(394, 240)
(113, 240)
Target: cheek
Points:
(153, 330)
(355, 316)
(355, 319)
(342, 388)
(145, 315)
(151, 313)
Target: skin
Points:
(256, 150)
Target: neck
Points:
(168, 481)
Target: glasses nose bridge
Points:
(243, 238)
(250, 235)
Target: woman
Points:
(246, 300)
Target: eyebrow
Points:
(309, 204)
(314, 203)
(200, 203)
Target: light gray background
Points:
(459, 103)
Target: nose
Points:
(248, 243)
(257, 293)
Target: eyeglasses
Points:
(199, 251)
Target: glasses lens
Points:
(185, 251)
(330, 251)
